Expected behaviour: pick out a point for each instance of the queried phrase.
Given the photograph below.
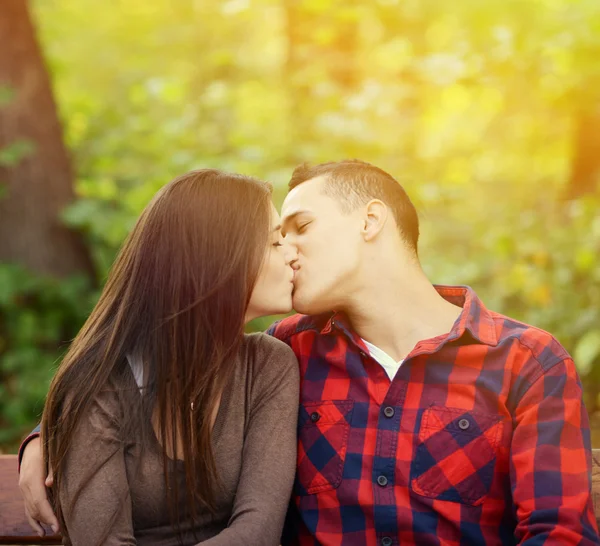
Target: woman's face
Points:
(272, 293)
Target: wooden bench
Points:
(15, 529)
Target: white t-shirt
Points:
(137, 368)
(387, 362)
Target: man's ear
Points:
(375, 217)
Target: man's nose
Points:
(290, 252)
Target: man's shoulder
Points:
(287, 328)
(542, 345)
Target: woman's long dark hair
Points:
(176, 296)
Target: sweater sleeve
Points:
(35, 433)
(269, 454)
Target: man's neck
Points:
(397, 312)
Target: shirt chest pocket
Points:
(455, 456)
(322, 443)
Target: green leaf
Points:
(6, 95)
(587, 351)
(15, 152)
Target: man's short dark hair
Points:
(353, 183)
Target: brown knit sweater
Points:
(254, 442)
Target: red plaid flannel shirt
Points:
(481, 438)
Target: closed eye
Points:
(302, 228)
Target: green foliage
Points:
(6, 95)
(470, 104)
(14, 153)
(38, 317)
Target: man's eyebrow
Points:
(292, 216)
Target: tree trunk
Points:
(585, 169)
(36, 187)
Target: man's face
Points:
(328, 243)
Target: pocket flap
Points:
(460, 422)
(325, 412)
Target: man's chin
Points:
(306, 306)
(298, 304)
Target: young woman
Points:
(165, 423)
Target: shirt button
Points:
(363, 354)
(314, 417)
(386, 541)
(389, 412)
(382, 480)
(464, 424)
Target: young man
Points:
(424, 418)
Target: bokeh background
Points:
(487, 111)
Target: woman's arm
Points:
(269, 456)
(94, 490)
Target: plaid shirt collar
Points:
(474, 319)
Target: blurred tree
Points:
(585, 172)
(35, 172)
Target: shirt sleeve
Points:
(550, 467)
(94, 490)
(269, 456)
